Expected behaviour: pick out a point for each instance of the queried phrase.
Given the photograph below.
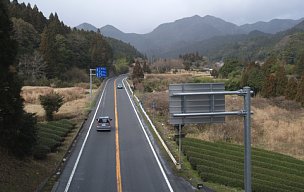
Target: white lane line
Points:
(84, 142)
(153, 127)
(150, 144)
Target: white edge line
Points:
(158, 135)
(151, 146)
(155, 130)
(84, 142)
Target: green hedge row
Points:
(43, 134)
(292, 166)
(224, 163)
(261, 155)
(50, 136)
(257, 172)
(234, 178)
(223, 158)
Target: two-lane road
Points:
(121, 160)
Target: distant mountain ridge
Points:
(87, 27)
(273, 26)
(189, 31)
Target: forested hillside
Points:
(36, 50)
(272, 66)
(48, 50)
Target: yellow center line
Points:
(118, 175)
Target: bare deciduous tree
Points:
(32, 67)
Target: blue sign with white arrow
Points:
(101, 72)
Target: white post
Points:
(91, 73)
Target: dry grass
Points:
(277, 125)
(31, 94)
(170, 78)
(76, 100)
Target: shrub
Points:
(51, 103)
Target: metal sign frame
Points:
(100, 72)
(246, 113)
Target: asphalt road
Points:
(123, 159)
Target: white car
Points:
(119, 86)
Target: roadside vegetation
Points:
(53, 139)
(277, 138)
(223, 163)
(51, 136)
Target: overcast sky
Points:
(142, 16)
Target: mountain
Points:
(134, 39)
(192, 29)
(169, 35)
(87, 27)
(273, 26)
(111, 31)
(183, 35)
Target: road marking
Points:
(150, 144)
(84, 142)
(153, 127)
(118, 174)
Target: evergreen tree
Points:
(26, 36)
(269, 87)
(253, 77)
(300, 64)
(291, 89)
(268, 66)
(138, 72)
(48, 51)
(17, 128)
(281, 81)
(231, 66)
(101, 54)
(146, 67)
(300, 91)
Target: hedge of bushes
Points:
(224, 163)
(50, 136)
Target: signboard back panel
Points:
(181, 104)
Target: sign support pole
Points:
(91, 73)
(247, 140)
(179, 147)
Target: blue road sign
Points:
(101, 72)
